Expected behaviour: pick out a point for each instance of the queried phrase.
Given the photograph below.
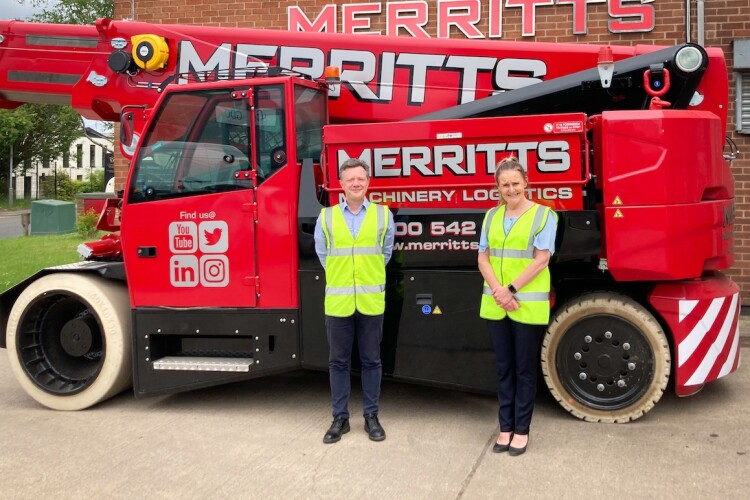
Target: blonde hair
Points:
(509, 163)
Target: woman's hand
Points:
(512, 305)
(504, 298)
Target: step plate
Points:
(200, 364)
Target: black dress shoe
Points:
(514, 452)
(499, 448)
(339, 426)
(373, 428)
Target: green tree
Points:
(36, 131)
(71, 11)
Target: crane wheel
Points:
(69, 340)
(605, 358)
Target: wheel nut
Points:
(620, 383)
(607, 335)
(626, 346)
(600, 387)
(631, 366)
(577, 356)
(587, 339)
(582, 376)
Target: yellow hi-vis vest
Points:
(355, 267)
(509, 255)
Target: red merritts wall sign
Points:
(410, 18)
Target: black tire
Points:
(69, 340)
(605, 358)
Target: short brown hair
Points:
(353, 163)
(510, 163)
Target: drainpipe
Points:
(701, 25)
(688, 21)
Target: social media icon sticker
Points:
(214, 270)
(183, 237)
(213, 236)
(183, 270)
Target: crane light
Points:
(332, 75)
(606, 66)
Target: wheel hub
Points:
(76, 337)
(604, 361)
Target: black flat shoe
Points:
(500, 448)
(338, 427)
(514, 452)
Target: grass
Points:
(17, 204)
(23, 256)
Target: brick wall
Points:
(725, 21)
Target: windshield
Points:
(199, 143)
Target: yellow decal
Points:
(437, 310)
(618, 214)
(617, 201)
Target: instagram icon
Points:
(214, 270)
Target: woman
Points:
(517, 241)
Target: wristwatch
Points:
(512, 288)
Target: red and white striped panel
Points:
(709, 348)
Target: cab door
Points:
(188, 222)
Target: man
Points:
(354, 242)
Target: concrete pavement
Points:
(10, 223)
(263, 439)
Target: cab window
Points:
(270, 130)
(198, 144)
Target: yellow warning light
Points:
(618, 214)
(617, 201)
(437, 310)
(332, 75)
(150, 52)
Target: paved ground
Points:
(10, 223)
(262, 439)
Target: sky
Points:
(11, 9)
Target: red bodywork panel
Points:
(703, 316)
(451, 163)
(400, 77)
(657, 204)
(230, 249)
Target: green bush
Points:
(86, 224)
(67, 188)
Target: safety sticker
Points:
(426, 309)
(437, 310)
(618, 214)
(567, 127)
(617, 201)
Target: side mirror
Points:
(127, 127)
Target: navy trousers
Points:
(517, 357)
(368, 330)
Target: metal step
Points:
(184, 363)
